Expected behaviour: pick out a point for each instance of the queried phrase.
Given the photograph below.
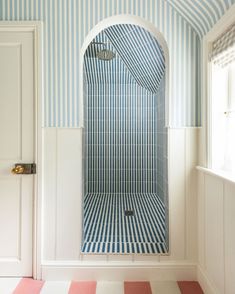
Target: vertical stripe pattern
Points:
(66, 24)
(125, 149)
(201, 14)
(121, 138)
(141, 54)
(108, 230)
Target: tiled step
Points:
(125, 248)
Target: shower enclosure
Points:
(125, 201)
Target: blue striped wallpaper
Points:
(66, 23)
(201, 14)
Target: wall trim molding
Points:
(119, 271)
(226, 177)
(204, 281)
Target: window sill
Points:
(218, 173)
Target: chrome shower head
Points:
(105, 54)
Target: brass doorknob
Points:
(18, 169)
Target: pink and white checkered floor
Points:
(30, 286)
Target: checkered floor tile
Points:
(30, 286)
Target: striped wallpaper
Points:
(201, 14)
(66, 24)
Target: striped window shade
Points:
(223, 48)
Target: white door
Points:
(16, 146)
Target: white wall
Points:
(62, 213)
(216, 238)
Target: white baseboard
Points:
(205, 283)
(119, 271)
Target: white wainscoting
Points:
(62, 190)
(216, 237)
(62, 214)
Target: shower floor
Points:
(107, 228)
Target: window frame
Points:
(205, 135)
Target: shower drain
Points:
(129, 213)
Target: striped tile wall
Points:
(162, 154)
(141, 54)
(137, 48)
(121, 139)
(125, 130)
(105, 72)
(66, 24)
(161, 144)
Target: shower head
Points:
(102, 53)
(105, 54)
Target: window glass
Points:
(223, 117)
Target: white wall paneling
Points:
(62, 213)
(216, 241)
(229, 237)
(62, 206)
(214, 231)
(216, 201)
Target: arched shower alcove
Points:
(125, 113)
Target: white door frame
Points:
(36, 28)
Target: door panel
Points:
(16, 146)
(11, 99)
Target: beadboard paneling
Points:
(216, 221)
(62, 190)
(66, 207)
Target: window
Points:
(223, 117)
(223, 103)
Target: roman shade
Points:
(223, 49)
